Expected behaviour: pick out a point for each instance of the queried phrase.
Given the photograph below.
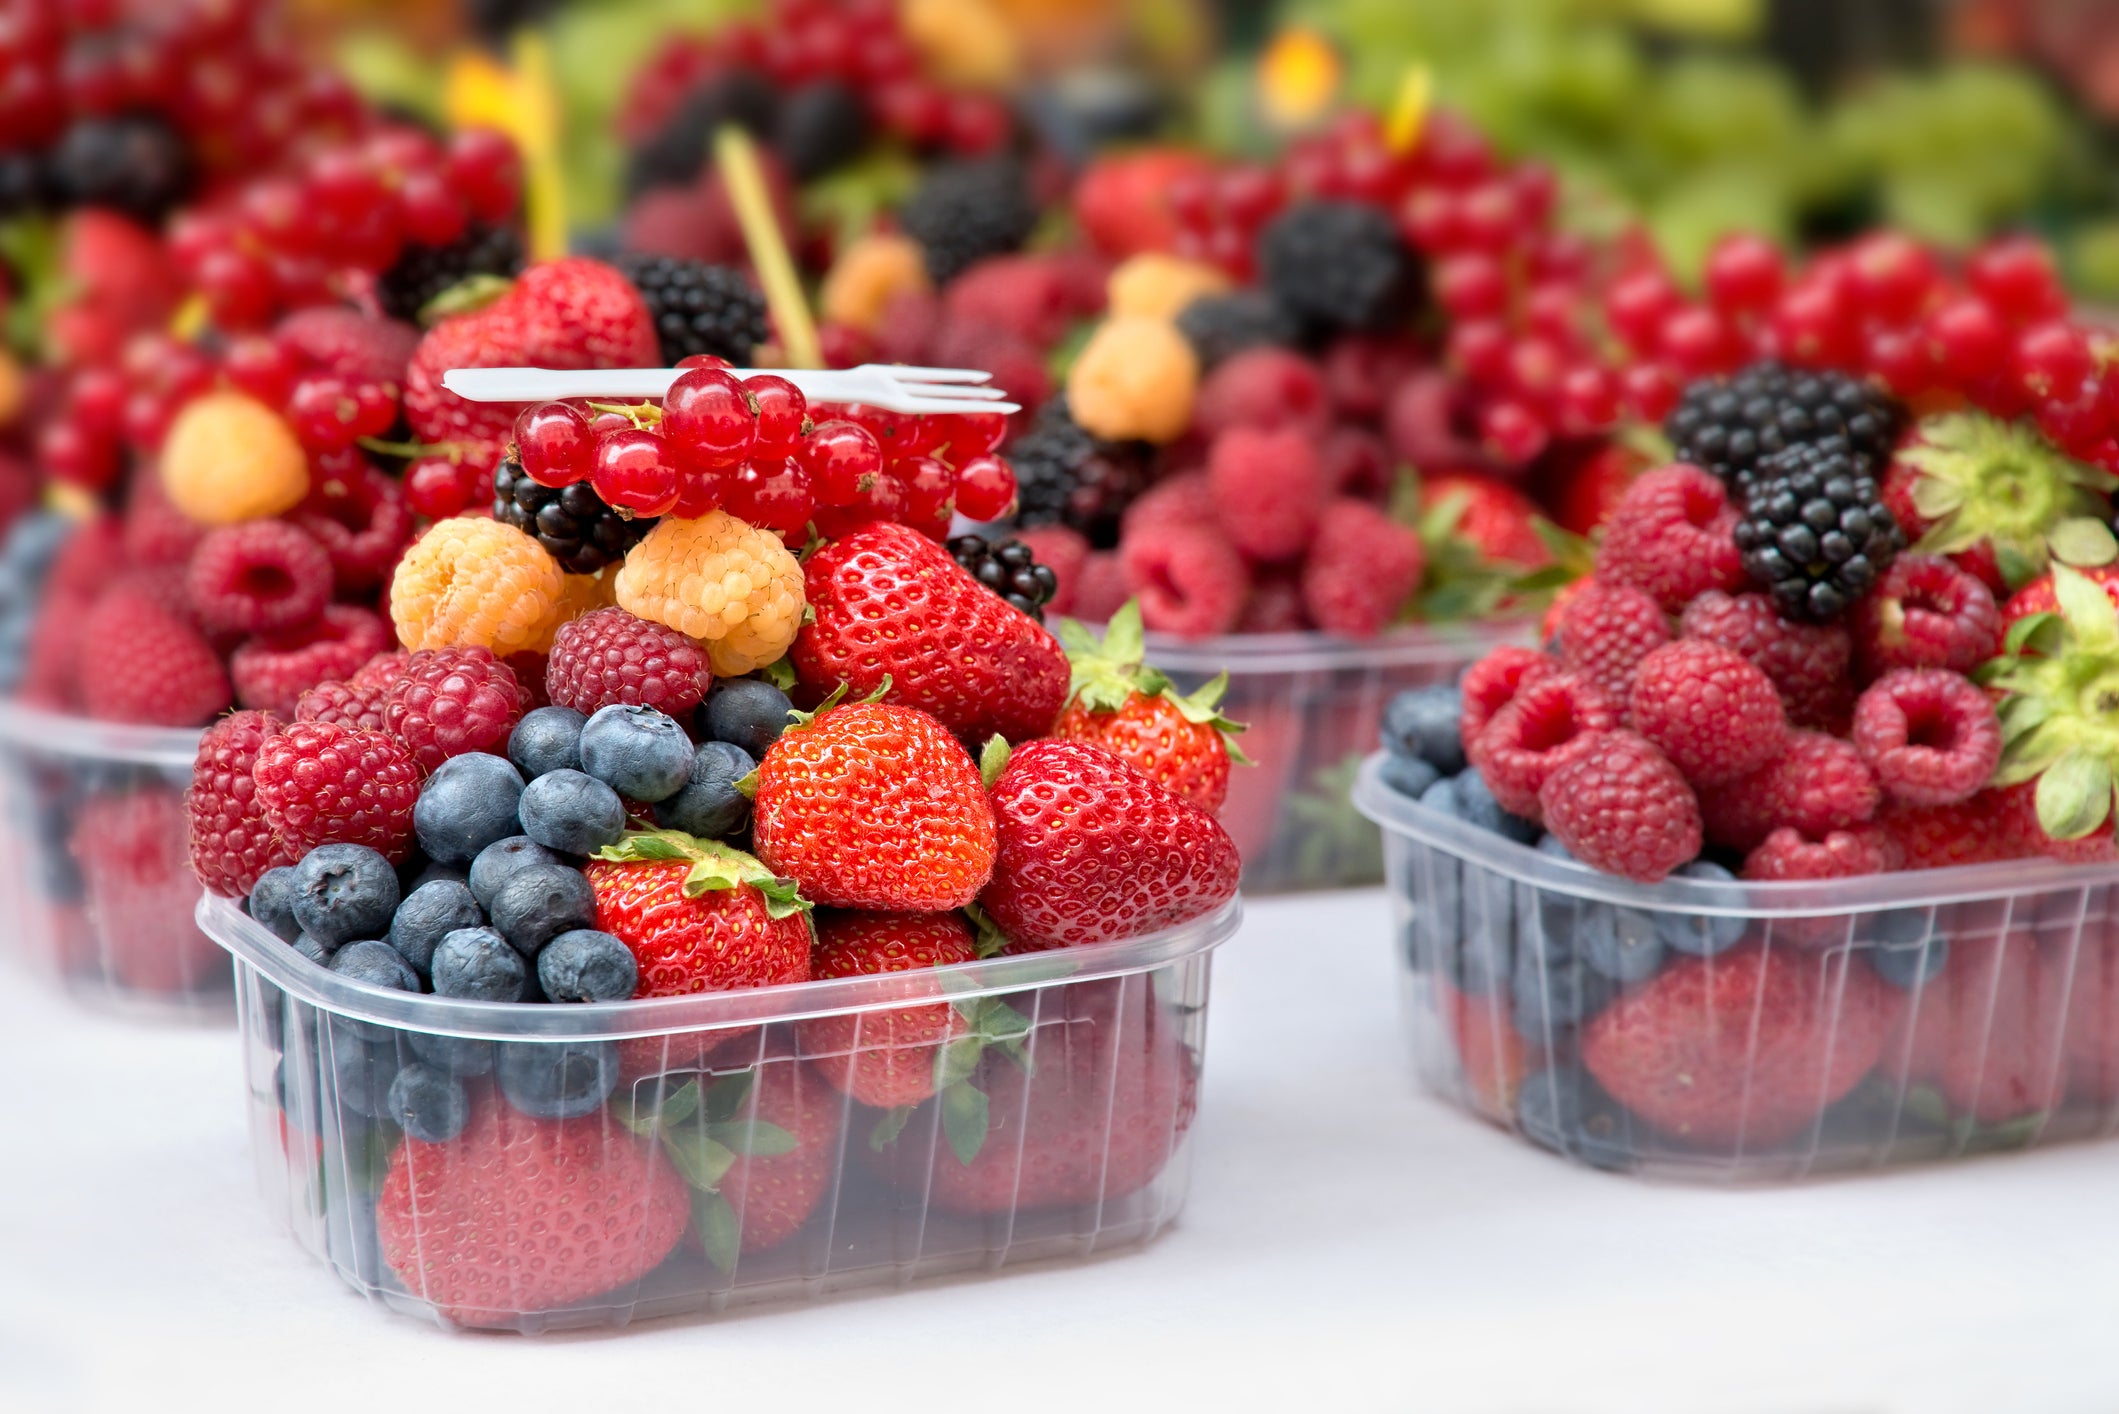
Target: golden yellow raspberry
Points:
(1158, 286)
(721, 580)
(229, 458)
(1135, 377)
(965, 43)
(867, 276)
(581, 594)
(474, 583)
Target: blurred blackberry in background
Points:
(134, 164)
(965, 211)
(821, 126)
(572, 523)
(1730, 425)
(674, 156)
(422, 273)
(698, 308)
(1815, 531)
(1221, 326)
(1010, 569)
(1339, 265)
(1065, 476)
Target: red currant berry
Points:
(1964, 340)
(1650, 390)
(782, 410)
(897, 433)
(1744, 275)
(322, 412)
(1589, 400)
(703, 361)
(707, 418)
(1697, 341)
(914, 110)
(603, 424)
(374, 409)
(428, 211)
(841, 458)
(1472, 287)
(1481, 351)
(774, 494)
(1535, 366)
(1811, 327)
(985, 488)
(1491, 217)
(555, 444)
(1553, 311)
(929, 488)
(2051, 356)
(486, 171)
(148, 413)
(977, 123)
(1512, 433)
(2015, 276)
(96, 401)
(342, 187)
(1899, 358)
(2078, 425)
(1637, 305)
(635, 472)
(701, 493)
(959, 437)
(1893, 276)
(260, 367)
(68, 452)
(438, 488)
(1432, 221)
(882, 498)
(238, 288)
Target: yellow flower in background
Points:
(520, 101)
(1299, 77)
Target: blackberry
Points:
(698, 308)
(1065, 476)
(1338, 265)
(1730, 425)
(966, 211)
(674, 156)
(422, 273)
(1221, 326)
(135, 164)
(1010, 569)
(1815, 531)
(821, 126)
(572, 522)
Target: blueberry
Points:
(710, 806)
(1476, 805)
(1485, 940)
(428, 1104)
(1408, 775)
(1421, 724)
(468, 803)
(34, 541)
(1562, 1109)
(377, 964)
(1553, 990)
(537, 904)
(1624, 944)
(272, 902)
(1702, 935)
(557, 1079)
(343, 892)
(432, 913)
(637, 752)
(572, 812)
(1905, 950)
(478, 965)
(498, 863)
(315, 951)
(363, 1071)
(587, 966)
(459, 1055)
(745, 712)
(547, 740)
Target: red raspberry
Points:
(1623, 808)
(1929, 734)
(2038, 597)
(140, 892)
(1030, 296)
(1266, 388)
(1362, 569)
(1015, 363)
(348, 344)
(1104, 588)
(608, 657)
(1975, 831)
(1543, 727)
(165, 585)
(1673, 535)
(1493, 682)
(383, 669)
(1189, 579)
(321, 783)
(1710, 710)
(531, 669)
(49, 678)
(1186, 499)
(1926, 613)
(1356, 463)
(91, 557)
(1818, 784)
(343, 704)
(273, 670)
(362, 520)
(1811, 664)
(140, 663)
(231, 845)
(263, 576)
(451, 701)
(1062, 550)
(1270, 490)
(156, 532)
(1606, 630)
(1788, 854)
(1275, 606)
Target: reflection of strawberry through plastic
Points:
(139, 892)
(1987, 1030)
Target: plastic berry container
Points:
(95, 884)
(722, 1167)
(1768, 1030)
(1312, 704)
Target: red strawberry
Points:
(1583, 490)
(1497, 520)
(469, 1224)
(1088, 849)
(890, 607)
(2037, 597)
(1987, 1030)
(1137, 714)
(886, 1058)
(772, 1188)
(572, 313)
(140, 891)
(1745, 1049)
(1123, 200)
(1095, 1116)
(2092, 1042)
(874, 806)
(1495, 1056)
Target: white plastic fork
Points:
(898, 387)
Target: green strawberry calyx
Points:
(988, 1021)
(703, 1127)
(467, 296)
(1983, 481)
(1106, 673)
(2059, 713)
(715, 866)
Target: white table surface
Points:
(1349, 1244)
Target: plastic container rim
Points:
(1257, 654)
(1911, 888)
(252, 944)
(61, 734)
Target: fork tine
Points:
(955, 392)
(912, 373)
(947, 405)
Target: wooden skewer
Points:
(738, 158)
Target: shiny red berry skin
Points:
(438, 488)
(1965, 340)
(985, 488)
(603, 424)
(323, 414)
(635, 472)
(960, 437)
(773, 493)
(484, 167)
(897, 433)
(782, 410)
(841, 459)
(1744, 274)
(430, 212)
(70, 453)
(930, 488)
(260, 367)
(1512, 432)
(703, 361)
(706, 417)
(2015, 276)
(1637, 305)
(555, 444)
(701, 492)
(2052, 359)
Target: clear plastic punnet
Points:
(95, 880)
(1740, 1031)
(1312, 704)
(590, 1165)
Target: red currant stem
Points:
(454, 451)
(737, 156)
(641, 414)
